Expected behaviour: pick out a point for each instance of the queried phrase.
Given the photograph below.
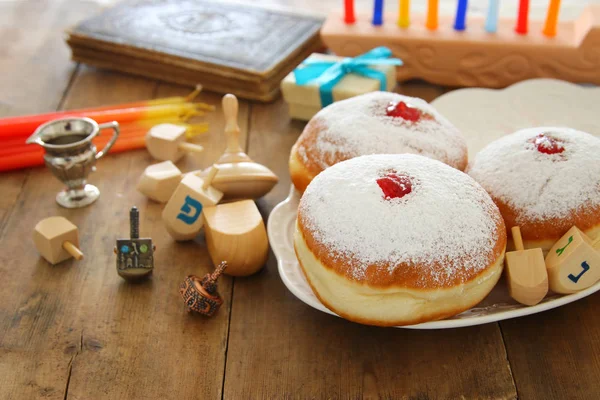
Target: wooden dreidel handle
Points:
(234, 152)
(236, 232)
(526, 272)
(182, 214)
(57, 239)
(73, 250)
(166, 142)
(573, 262)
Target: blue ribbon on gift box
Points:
(326, 74)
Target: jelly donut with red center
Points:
(398, 239)
(374, 123)
(544, 180)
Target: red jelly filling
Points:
(394, 186)
(547, 144)
(404, 111)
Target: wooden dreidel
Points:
(166, 142)
(135, 256)
(159, 181)
(235, 232)
(573, 262)
(182, 214)
(201, 295)
(239, 176)
(526, 272)
(57, 239)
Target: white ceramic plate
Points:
(483, 115)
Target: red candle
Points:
(521, 27)
(349, 17)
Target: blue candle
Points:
(491, 22)
(378, 13)
(461, 16)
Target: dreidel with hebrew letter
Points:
(166, 142)
(526, 272)
(573, 262)
(182, 214)
(135, 256)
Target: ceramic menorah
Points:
(470, 51)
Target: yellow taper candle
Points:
(404, 14)
(551, 18)
(432, 15)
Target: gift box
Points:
(322, 79)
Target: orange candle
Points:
(26, 125)
(551, 18)
(432, 15)
(404, 13)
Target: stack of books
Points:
(226, 47)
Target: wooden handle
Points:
(517, 239)
(193, 148)
(72, 250)
(209, 178)
(232, 130)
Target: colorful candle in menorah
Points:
(463, 50)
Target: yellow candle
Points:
(432, 15)
(404, 14)
(551, 18)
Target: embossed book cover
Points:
(221, 45)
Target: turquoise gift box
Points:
(322, 79)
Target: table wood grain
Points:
(78, 331)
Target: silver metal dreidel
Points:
(135, 256)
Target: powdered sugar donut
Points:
(544, 180)
(374, 123)
(398, 239)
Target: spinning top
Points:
(239, 177)
(57, 239)
(201, 295)
(526, 272)
(135, 256)
(166, 142)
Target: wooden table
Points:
(78, 331)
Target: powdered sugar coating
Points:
(541, 186)
(447, 223)
(360, 126)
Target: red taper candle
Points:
(349, 17)
(522, 18)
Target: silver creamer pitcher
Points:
(71, 155)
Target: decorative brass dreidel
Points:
(135, 256)
(181, 215)
(57, 239)
(526, 272)
(159, 181)
(201, 295)
(239, 176)
(166, 142)
(236, 232)
(573, 262)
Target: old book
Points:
(220, 45)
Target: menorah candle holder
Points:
(475, 57)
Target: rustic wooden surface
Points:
(78, 331)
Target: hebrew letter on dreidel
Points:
(585, 267)
(562, 249)
(187, 207)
